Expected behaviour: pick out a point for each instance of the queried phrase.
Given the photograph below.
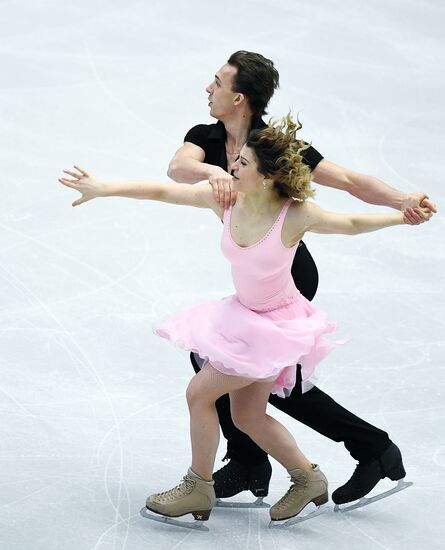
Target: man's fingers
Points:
(220, 193)
(233, 193)
(215, 192)
(227, 197)
(426, 203)
(223, 192)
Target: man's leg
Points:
(377, 455)
(319, 411)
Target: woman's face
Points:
(245, 171)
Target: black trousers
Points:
(313, 408)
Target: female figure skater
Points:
(253, 340)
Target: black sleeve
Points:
(198, 135)
(311, 157)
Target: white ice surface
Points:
(93, 415)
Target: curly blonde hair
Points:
(279, 156)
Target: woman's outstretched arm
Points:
(200, 196)
(317, 220)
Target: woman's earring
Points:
(264, 185)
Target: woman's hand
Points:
(411, 215)
(85, 183)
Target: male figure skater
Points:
(238, 97)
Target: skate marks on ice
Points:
(365, 501)
(196, 525)
(258, 503)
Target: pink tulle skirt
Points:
(259, 345)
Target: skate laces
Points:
(183, 488)
(297, 483)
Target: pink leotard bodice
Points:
(261, 272)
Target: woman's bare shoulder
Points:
(300, 209)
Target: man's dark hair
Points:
(256, 78)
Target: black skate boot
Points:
(231, 479)
(368, 474)
(259, 478)
(234, 478)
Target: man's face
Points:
(221, 97)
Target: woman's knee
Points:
(197, 394)
(192, 393)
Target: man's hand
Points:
(417, 208)
(84, 182)
(223, 191)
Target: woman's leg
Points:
(249, 415)
(308, 483)
(240, 446)
(196, 494)
(204, 389)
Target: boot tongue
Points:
(192, 475)
(297, 475)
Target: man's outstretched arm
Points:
(372, 190)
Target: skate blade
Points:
(297, 519)
(401, 485)
(195, 525)
(258, 503)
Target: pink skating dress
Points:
(267, 327)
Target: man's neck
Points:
(237, 129)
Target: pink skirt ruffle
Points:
(259, 345)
